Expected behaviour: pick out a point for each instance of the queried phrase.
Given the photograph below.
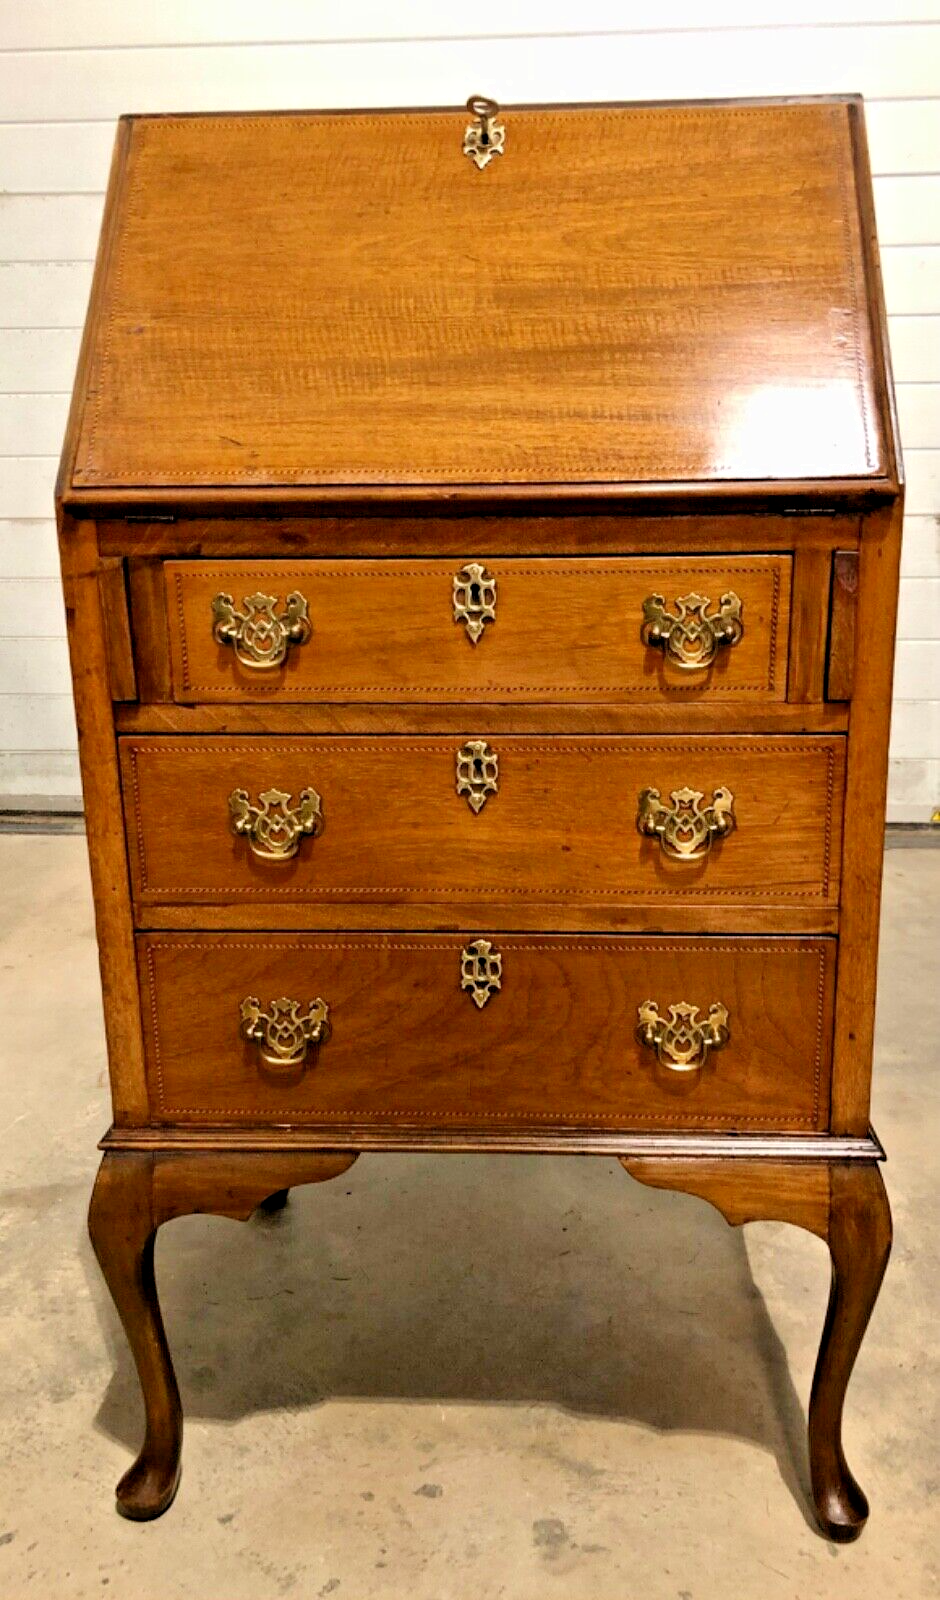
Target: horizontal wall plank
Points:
(908, 209)
(900, 62)
(922, 469)
(38, 361)
(35, 666)
(36, 722)
(82, 24)
(50, 227)
(913, 790)
(42, 778)
(903, 135)
(915, 729)
(32, 424)
(911, 279)
(56, 157)
(917, 669)
(27, 485)
(920, 550)
(31, 608)
(919, 611)
(28, 550)
(915, 349)
(919, 414)
(45, 294)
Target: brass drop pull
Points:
(259, 637)
(686, 830)
(273, 827)
(682, 1042)
(690, 639)
(481, 971)
(484, 138)
(474, 599)
(477, 773)
(283, 1033)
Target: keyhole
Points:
(478, 769)
(475, 594)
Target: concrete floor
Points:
(461, 1377)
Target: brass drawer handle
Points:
(690, 639)
(686, 830)
(259, 637)
(284, 1035)
(273, 827)
(474, 599)
(477, 773)
(481, 971)
(682, 1042)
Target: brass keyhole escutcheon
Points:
(481, 971)
(484, 138)
(477, 773)
(474, 599)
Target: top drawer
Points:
(533, 629)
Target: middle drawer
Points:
(738, 820)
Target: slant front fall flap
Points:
(629, 294)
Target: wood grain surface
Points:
(629, 294)
(561, 824)
(555, 1045)
(564, 630)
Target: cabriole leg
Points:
(134, 1194)
(843, 1202)
(123, 1230)
(859, 1244)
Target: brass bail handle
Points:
(285, 1035)
(682, 1041)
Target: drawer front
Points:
(729, 820)
(469, 1031)
(598, 629)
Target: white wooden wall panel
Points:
(84, 24)
(920, 552)
(44, 294)
(68, 70)
(27, 550)
(898, 62)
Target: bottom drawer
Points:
(458, 1029)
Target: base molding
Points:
(502, 1141)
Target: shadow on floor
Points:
(473, 1279)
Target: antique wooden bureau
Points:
(480, 534)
